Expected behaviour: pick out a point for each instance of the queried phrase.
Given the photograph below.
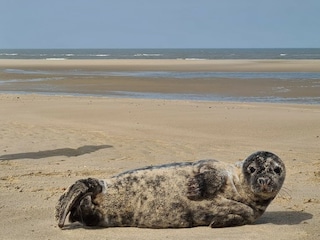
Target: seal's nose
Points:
(263, 181)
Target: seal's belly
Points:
(148, 199)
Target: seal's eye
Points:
(277, 170)
(251, 169)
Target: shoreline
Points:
(173, 97)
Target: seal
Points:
(188, 194)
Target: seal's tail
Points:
(72, 197)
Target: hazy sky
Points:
(159, 23)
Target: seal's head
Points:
(264, 172)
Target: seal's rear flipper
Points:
(73, 196)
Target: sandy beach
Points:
(48, 142)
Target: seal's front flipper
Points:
(205, 182)
(196, 187)
(238, 214)
(230, 220)
(78, 198)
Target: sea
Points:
(184, 54)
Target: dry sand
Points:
(48, 142)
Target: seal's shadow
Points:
(77, 225)
(284, 217)
(277, 218)
(68, 152)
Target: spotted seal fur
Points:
(177, 195)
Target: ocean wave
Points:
(147, 55)
(195, 59)
(102, 55)
(93, 55)
(8, 54)
(56, 59)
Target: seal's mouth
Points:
(264, 185)
(266, 189)
(263, 190)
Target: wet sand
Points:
(59, 80)
(48, 142)
(170, 65)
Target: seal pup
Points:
(177, 195)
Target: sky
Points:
(159, 24)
